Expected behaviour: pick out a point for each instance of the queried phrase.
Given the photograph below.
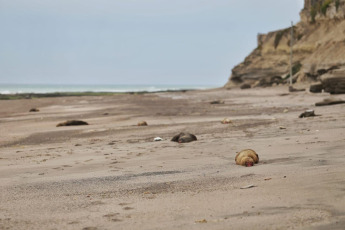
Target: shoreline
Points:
(86, 93)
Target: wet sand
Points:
(112, 175)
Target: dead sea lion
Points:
(247, 157)
(217, 102)
(142, 123)
(71, 123)
(34, 110)
(184, 138)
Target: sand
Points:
(112, 175)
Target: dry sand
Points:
(112, 175)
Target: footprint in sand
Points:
(58, 168)
(127, 208)
(124, 204)
(112, 217)
(90, 228)
(97, 202)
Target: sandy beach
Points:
(110, 174)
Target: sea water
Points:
(40, 88)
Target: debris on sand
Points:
(184, 138)
(142, 123)
(329, 101)
(307, 113)
(216, 102)
(72, 123)
(157, 139)
(203, 221)
(34, 110)
(248, 186)
(226, 121)
(247, 157)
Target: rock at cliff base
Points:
(334, 82)
(72, 123)
(245, 86)
(316, 87)
(292, 89)
(329, 101)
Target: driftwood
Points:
(329, 101)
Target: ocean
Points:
(41, 88)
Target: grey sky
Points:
(133, 41)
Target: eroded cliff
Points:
(319, 49)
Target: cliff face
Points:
(319, 48)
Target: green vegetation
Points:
(295, 69)
(321, 7)
(279, 36)
(313, 12)
(325, 6)
(337, 3)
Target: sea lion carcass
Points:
(184, 138)
(247, 157)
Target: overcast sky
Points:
(193, 42)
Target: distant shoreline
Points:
(8, 91)
(18, 96)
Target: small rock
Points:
(282, 127)
(142, 123)
(157, 139)
(307, 113)
(226, 121)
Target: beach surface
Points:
(111, 174)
